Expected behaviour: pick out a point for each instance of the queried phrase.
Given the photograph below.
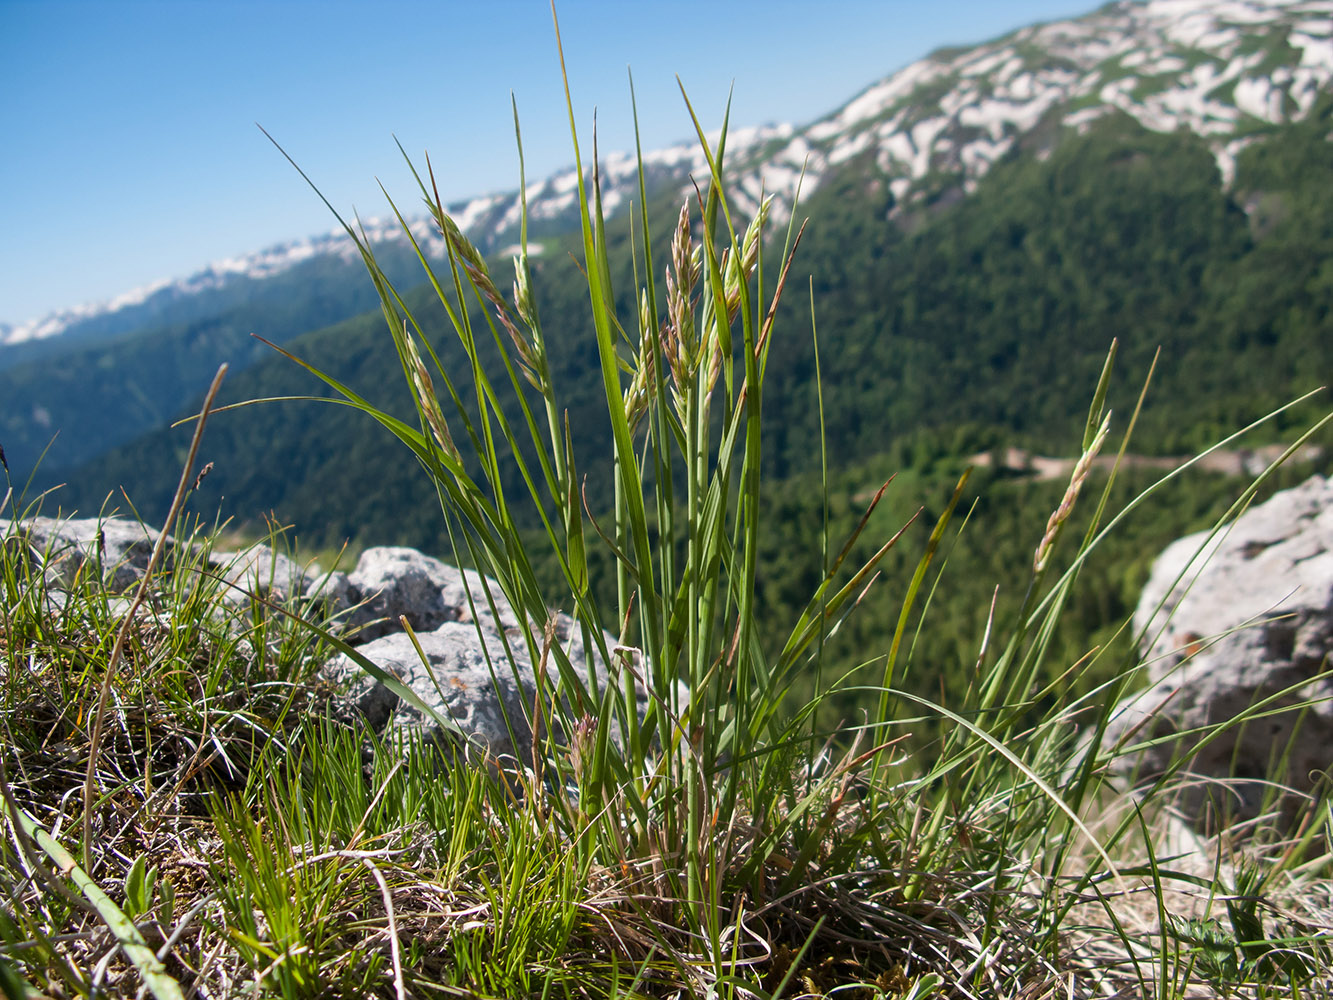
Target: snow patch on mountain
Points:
(1204, 65)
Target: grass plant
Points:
(235, 841)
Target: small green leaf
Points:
(166, 912)
(136, 889)
(11, 983)
(578, 559)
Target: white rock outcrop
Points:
(1240, 625)
(478, 671)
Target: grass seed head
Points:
(682, 262)
(637, 393)
(750, 242)
(679, 343)
(430, 404)
(523, 304)
(1066, 507)
(462, 246)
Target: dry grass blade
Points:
(117, 651)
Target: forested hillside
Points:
(998, 311)
(102, 385)
(989, 320)
(932, 225)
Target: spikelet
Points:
(430, 405)
(714, 367)
(710, 346)
(683, 258)
(742, 268)
(531, 349)
(523, 304)
(678, 343)
(750, 241)
(645, 317)
(1062, 512)
(462, 246)
(531, 358)
(637, 393)
(737, 269)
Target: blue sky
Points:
(128, 126)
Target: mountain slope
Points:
(491, 222)
(99, 392)
(103, 374)
(1227, 70)
(989, 322)
(1205, 84)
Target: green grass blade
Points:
(122, 928)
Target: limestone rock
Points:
(457, 683)
(260, 571)
(457, 623)
(118, 550)
(456, 634)
(115, 549)
(389, 582)
(490, 703)
(1227, 624)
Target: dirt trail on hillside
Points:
(1235, 462)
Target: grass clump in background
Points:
(183, 820)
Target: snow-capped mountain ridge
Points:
(260, 264)
(1226, 70)
(1223, 69)
(491, 221)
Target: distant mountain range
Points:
(491, 222)
(1227, 70)
(917, 166)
